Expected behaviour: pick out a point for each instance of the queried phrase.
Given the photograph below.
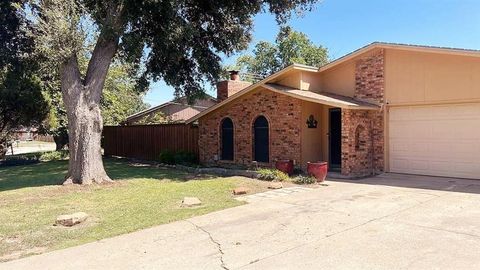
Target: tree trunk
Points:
(82, 103)
(3, 145)
(85, 132)
(3, 151)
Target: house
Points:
(383, 108)
(175, 111)
(31, 134)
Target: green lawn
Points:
(31, 199)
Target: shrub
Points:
(266, 174)
(167, 157)
(184, 157)
(31, 158)
(271, 174)
(281, 176)
(54, 155)
(304, 180)
(19, 160)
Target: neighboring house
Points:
(385, 107)
(25, 134)
(30, 134)
(175, 111)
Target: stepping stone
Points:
(191, 201)
(71, 219)
(240, 191)
(275, 185)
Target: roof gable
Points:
(348, 57)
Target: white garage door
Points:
(435, 140)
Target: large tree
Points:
(290, 47)
(120, 99)
(21, 99)
(179, 41)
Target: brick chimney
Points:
(228, 88)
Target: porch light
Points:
(311, 122)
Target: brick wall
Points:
(283, 113)
(370, 77)
(228, 88)
(362, 142)
(369, 86)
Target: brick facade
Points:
(362, 142)
(363, 131)
(228, 88)
(283, 114)
(370, 77)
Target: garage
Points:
(440, 140)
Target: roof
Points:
(400, 46)
(252, 87)
(179, 101)
(324, 97)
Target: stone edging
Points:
(217, 171)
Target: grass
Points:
(142, 196)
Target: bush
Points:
(281, 176)
(54, 155)
(271, 174)
(180, 157)
(20, 160)
(167, 157)
(184, 157)
(304, 180)
(266, 174)
(32, 158)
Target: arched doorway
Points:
(261, 140)
(227, 139)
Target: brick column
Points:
(363, 130)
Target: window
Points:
(227, 139)
(260, 139)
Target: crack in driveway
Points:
(219, 246)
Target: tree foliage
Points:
(290, 47)
(121, 98)
(21, 99)
(154, 119)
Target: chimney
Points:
(225, 89)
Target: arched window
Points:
(260, 139)
(360, 138)
(227, 139)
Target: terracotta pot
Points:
(285, 166)
(318, 170)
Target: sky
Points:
(343, 26)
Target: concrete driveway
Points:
(387, 222)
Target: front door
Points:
(335, 138)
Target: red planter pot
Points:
(285, 166)
(318, 170)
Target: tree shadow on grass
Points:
(53, 173)
(120, 169)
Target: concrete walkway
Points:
(388, 222)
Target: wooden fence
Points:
(147, 141)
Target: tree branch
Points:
(99, 64)
(70, 77)
(103, 53)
